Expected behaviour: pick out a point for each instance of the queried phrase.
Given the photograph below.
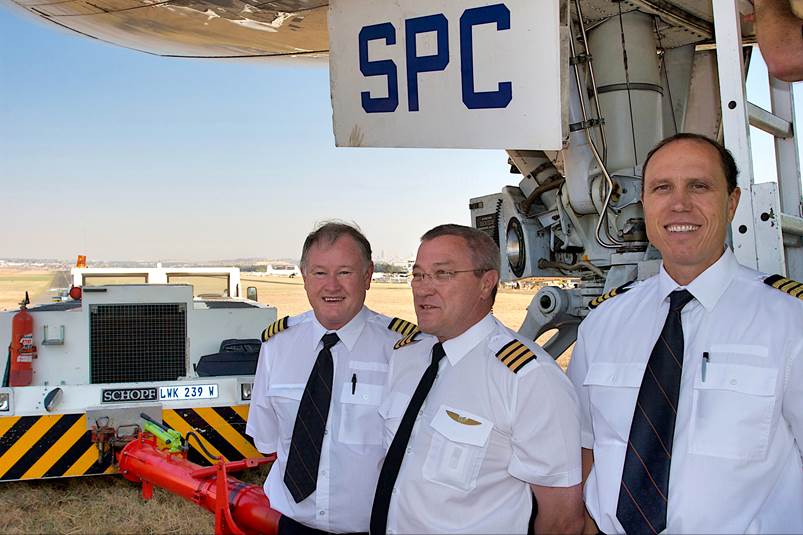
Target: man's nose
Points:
(426, 286)
(681, 200)
(332, 281)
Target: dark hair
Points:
(328, 232)
(725, 157)
(484, 251)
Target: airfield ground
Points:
(110, 504)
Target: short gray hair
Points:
(484, 251)
(329, 232)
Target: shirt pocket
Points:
(285, 399)
(612, 386)
(732, 411)
(459, 443)
(360, 423)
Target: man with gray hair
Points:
(318, 384)
(471, 437)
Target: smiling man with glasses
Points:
(472, 436)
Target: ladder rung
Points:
(792, 225)
(768, 122)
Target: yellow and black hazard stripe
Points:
(275, 328)
(221, 430)
(403, 327)
(59, 445)
(789, 286)
(52, 445)
(597, 301)
(515, 355)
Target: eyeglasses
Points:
(443, 275)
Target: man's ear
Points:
(489, 281)
(368, 273)
(733, 202)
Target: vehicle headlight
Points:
(245, 391)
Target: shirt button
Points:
(322, 513)
(733, 381)
(409, 451)
(421, 413)
(323, 473)
(325, 432)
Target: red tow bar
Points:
(239, 508)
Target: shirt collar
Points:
(708, 286)
(458, 347)
(348, 333)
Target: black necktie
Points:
(645, 478)
(301, 473)
(393, 460)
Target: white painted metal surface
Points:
(756, 244)
(446, 74)
(67, 364)
(159, 275)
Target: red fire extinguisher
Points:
(22, 351)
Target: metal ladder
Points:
(767, 231)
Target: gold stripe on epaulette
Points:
(402, 327)
(407, 340)
(597, 301)
(275, 328)
(787, 286)
(515, 355)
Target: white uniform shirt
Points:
(735, 465)
(519, 428)
(352, 452)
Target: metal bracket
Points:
(580, 58)
(584, 125)
(53, 341)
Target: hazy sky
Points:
(121, 155)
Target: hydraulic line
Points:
(597, 106)
(603, 212)
(555, 183)
(577, 266)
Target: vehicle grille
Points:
(137, 342)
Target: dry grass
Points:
(14, 283)
(110, 504)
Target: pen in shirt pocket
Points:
(353, 383)
(704, 366)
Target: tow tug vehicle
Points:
(131, 341)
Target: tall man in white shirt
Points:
(691, 382)
(318, 384)
(477, 420)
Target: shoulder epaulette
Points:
(407, 340)
(789, 286)
(515, 355)
(597, 301)
(403, 327)
(275, 328)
